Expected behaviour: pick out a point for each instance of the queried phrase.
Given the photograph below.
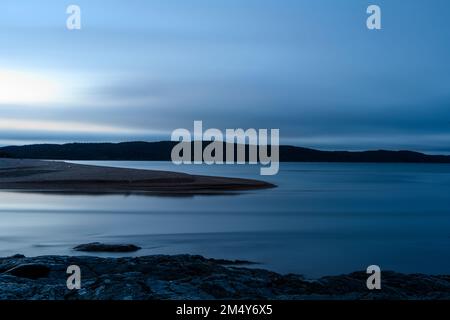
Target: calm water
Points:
(323, 219)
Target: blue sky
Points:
(139, 69)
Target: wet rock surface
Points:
(30, 270)
(195, 277)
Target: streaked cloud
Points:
(68, 127)
(140, 69)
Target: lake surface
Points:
(323, 219)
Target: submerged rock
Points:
(101, 247)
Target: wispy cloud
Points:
(69, 127)
(309, 68)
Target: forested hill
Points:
(161, 151)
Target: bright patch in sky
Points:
(65, 126)
(18, 87)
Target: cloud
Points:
(60, 126)
(138, 71)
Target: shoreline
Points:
(193, 277)
(63, 177)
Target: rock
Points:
(196, 278)
(101, 247)
(232, 262)
(31, 271)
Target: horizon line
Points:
(246, 144)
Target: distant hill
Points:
(160, 151)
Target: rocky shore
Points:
(194, 277)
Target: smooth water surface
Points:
(323, 219)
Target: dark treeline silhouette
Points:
(4, 155)
(161, 151)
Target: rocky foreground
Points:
(194, 277)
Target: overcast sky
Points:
(137, 70)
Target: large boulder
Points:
(29, 270)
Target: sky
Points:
(137, 70)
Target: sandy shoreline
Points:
(62, 177)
